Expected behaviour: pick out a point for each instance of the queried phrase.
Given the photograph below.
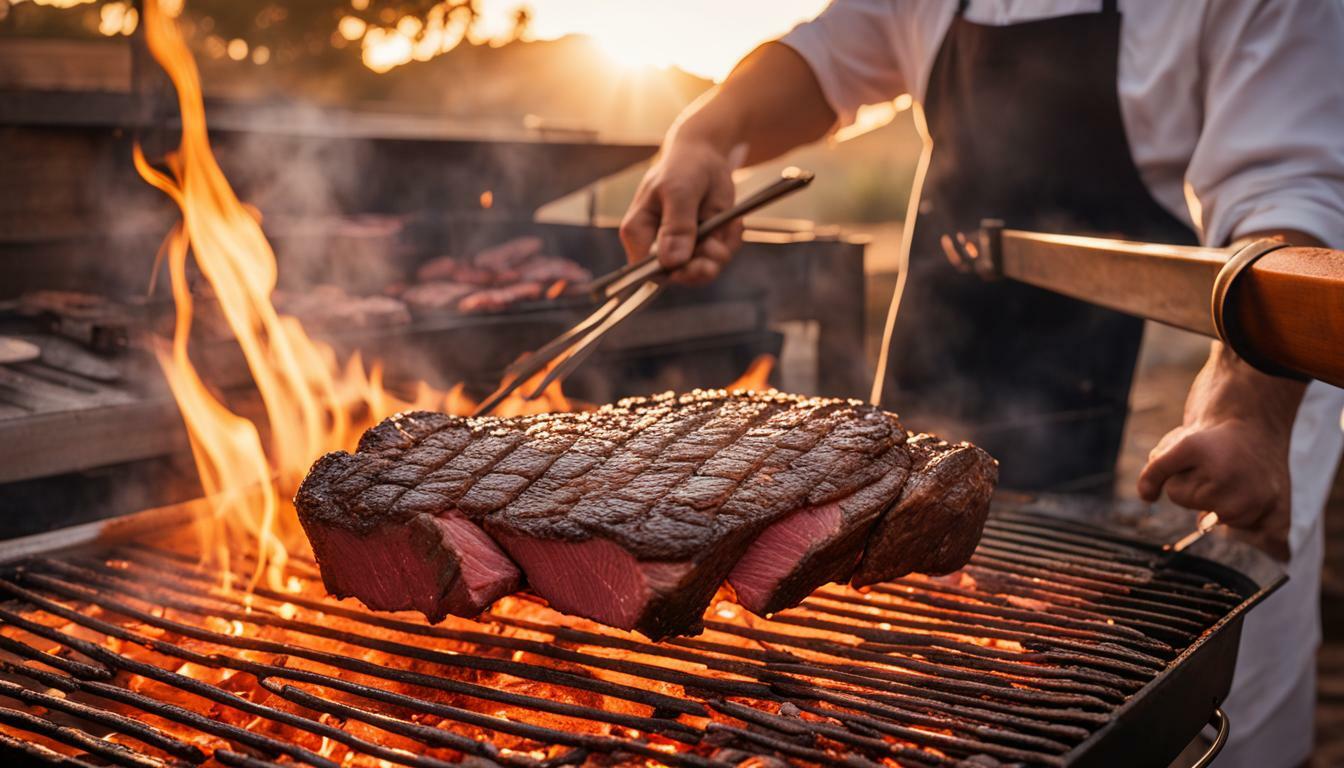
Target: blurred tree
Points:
(387, 32)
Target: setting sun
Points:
(628, 52)
(701, 37)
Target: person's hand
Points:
(691, 181)
(1230, 455)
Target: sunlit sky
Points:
(704, 37)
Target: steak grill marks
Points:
(907, 673)
(635, 514)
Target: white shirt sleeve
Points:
(1271, 151)
(851, 50)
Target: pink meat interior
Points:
(778, 551)
(396, 569)
(485, 573)
(595, 578)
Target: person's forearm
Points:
(771, 102)
(1234, 389)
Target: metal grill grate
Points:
(1047, 632)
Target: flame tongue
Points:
(308, 400)
(312, 404)
(757, 375)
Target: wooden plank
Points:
(75, 440)
(65, 65)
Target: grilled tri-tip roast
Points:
(635, 514)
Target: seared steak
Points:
(817, 544)
(936, 523)
(632, 515)
(655, 505)
(394, 546)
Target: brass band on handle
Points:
(1224, 321)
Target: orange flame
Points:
(312, 403)
(757, 375)
(308, 399)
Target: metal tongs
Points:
(1207, 522)
(621, 293)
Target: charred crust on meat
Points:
(689, 479)
(935, 524)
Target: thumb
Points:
(1169, 458)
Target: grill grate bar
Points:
(798, 687)
(1139, 564)
(1061, 576)
(507, 642)
(1105, 650)
(74, 737)
(967, 668)
(926, 674)
(979, 722)
(1018, 660)
(1047, 533)
(54, 585)
(526, 730)
(362, 667)
(147, 734)
(954, 744)
(1031, 534)
(1131, 630)
(100, 599)
(768, 672)
(238, 760)
(182, 682)
(805, 731)
(657, 702)
(174, 713)
(41, 754)
(984, 710)
(1037, 585)
(69, 666)
(466, 745)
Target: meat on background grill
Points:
(436, 296)
(494, 280)
(635, 514)
(498, 277)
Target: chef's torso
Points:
(1225, 139)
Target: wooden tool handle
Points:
(1288, 309)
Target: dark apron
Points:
(1026, 127)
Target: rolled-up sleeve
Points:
(851, 50)
(1271, 152)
